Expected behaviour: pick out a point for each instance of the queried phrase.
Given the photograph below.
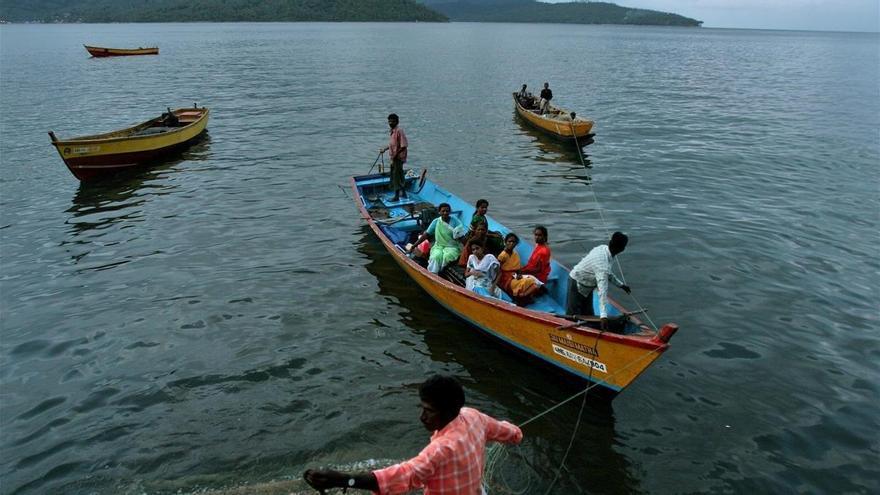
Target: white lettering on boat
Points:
(86, 149)
(596, 365)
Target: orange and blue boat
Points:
(557, 122)
(612, 359)
(100, 51)
(97, 156)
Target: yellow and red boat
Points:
(100, 51)
(557, 121)
(612, 359)
(100, 155)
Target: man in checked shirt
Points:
(452, 464)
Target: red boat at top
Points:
(99, 51)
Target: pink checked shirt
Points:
(452, 464)
(396, 142)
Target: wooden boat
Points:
(99, 51)
(92, 157)
(612, 359)
(557, 121)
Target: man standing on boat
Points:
(397, 149)
(593, 272)
(452, 464)
(546, 96)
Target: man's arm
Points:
(323, 479)
(502, 431)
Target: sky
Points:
(813, 15)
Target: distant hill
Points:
(332, 10)
(570, 13)
(215, 10)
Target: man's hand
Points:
(322, 480)
(625, 288)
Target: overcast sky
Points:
(820, 15)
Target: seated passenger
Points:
(523, 94)
(539, 261)
(445, 229)
(482, 270)
(419, 253)
(521, 287)
(488, 242)
(481, 207)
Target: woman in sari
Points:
(445, 229)
(482, 271)
(521, 287)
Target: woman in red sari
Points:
(539, 261)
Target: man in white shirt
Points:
(594, 272)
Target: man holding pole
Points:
(397, 150)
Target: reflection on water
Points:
(555, 150)
(504, 376)
(98, 204)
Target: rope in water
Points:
(605, 227)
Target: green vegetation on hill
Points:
(572, 12)
(215, 10)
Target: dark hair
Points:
(515, 238)
(441, 205)
(481, 222)
(475, 242)
(618, 241)
(393, 116)
(443, 392)
(543, 230)
(481, 202)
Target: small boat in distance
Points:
(96, 156)
(612, 358)
(99, 51)
(557, 122)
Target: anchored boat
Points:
(99, 51)
(100, 155)
(612, 359)
(557, 121)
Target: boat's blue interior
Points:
(401, 226)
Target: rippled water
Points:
(225, 318)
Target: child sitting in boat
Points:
(480, 233)
(521, 287)
(482, 271)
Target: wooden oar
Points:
(581, 319)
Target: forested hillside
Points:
(214, 10)
(572, 12)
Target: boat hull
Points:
(560, 129)
(610, 360)
(98, 51)
(94, 157)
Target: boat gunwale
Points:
(101, 139)
(643, 341)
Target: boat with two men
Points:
(100, 155)
(577, 345)
(100, 51)
(556, 122)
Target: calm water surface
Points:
(226, 319)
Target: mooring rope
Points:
(493, 454)
(605, 227)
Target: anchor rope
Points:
(605, 227)
(494, 452)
